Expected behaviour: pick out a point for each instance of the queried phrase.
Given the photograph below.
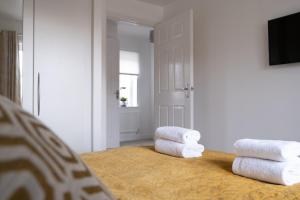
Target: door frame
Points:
(113, 131)
(99, 94)
(117, 18)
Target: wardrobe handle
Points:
(39, 94)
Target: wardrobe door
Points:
(62, 60)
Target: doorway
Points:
(130, 83)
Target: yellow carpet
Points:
(139, 173)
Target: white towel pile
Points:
(179, 142)
(271, 161)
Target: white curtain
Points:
(9, 66)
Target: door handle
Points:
(117, 93)
(39, 94)
(187, 90)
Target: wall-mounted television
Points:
(284, 40)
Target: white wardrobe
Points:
(63, 69)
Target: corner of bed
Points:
(141, 173)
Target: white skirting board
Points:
(132, 136)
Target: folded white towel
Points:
(268, 149)
(178, 149)
(178, 134)
(284, 173)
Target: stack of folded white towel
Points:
(179, 142)
(271, 161)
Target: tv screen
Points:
(284, 40)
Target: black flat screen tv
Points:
(284, 40)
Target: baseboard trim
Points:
(132, 136)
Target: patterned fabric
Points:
(36, 164)
(142, 173)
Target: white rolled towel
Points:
(178, 134)
(284, 173)
(268, 149)
(178, 149)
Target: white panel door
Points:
(113, 114)
(62, 50)
(174, 72)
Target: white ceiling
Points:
(158, 2)
(11, 9)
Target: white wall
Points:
(11, 15)
(10, 25)
(136, 11)
(137, 123)
(237, 94)
(112, 29)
